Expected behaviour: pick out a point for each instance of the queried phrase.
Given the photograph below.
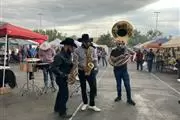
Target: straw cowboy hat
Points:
(69, 41)
(45, 46)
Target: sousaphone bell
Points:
(122, 31)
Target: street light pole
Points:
(157, 18)
(40, 20)
(96, 31)
(1, 14)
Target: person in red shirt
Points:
(139, 59)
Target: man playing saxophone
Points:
(87, 63)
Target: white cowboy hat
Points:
(45, 46)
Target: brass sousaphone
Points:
(122, 31)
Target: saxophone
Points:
(74, 72)
(89, 62)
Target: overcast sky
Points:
(92, 16)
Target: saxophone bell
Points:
(90, 66)
(89, 63)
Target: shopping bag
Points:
(145, 64)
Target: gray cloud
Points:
(95, 17)
(66, 12)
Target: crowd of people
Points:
(161, 59)
(145, 58)
(102, 56)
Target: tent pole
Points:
(7, 62)
(5, 53)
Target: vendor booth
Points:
(10, 31)
(171, 52)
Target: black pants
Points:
(139, 63)
(178, 72)
(91, 81)
(104, 61)
(31, 75)
(150, 63)
(158, 65)
(62, 95)
(99, 58)
(95, 81)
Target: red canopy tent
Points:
(10, 31)
(17, 32)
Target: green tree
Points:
(105, 39)
(52, 34)
(74, 37)
(137, 38)
(152, 34)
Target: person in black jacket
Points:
(61, 67)
(150, 59)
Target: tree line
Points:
(54, 34)
(105, 39)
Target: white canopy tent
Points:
(77, 43)
(55, 42)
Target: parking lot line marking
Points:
(165, 83)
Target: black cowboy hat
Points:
(69, 41)
(85, 38)
(79, 40)
(91, 39)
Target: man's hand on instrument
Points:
(96, 69)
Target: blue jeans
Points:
(122, 74)
(150, 63)
(46, 71)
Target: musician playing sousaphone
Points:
(119, 57)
